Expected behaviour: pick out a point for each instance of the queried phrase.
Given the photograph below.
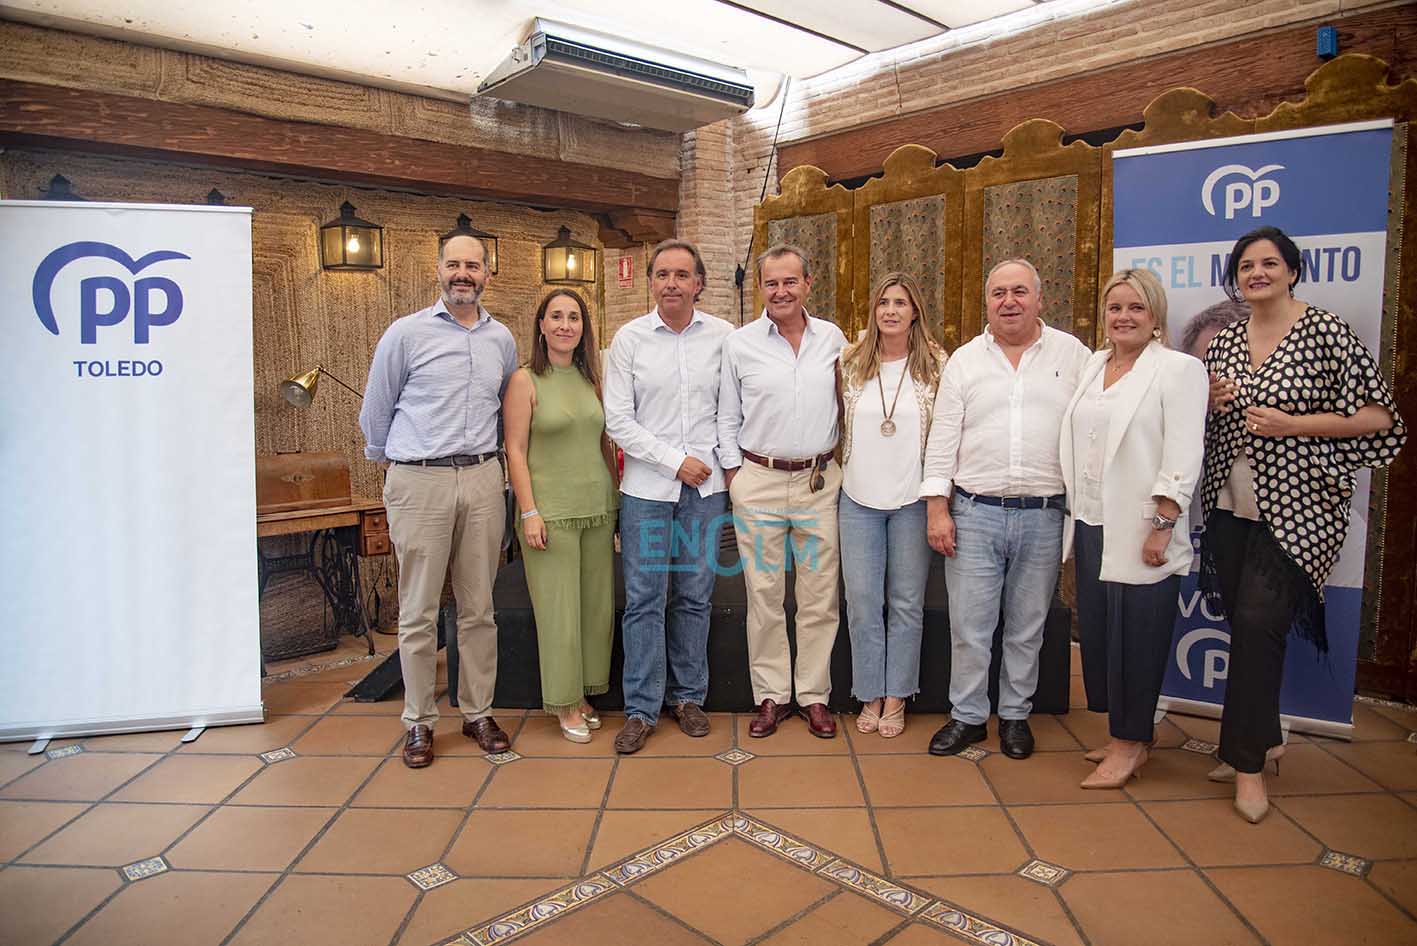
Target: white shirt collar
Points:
(773, 329)
(990, 341)
(660, 323)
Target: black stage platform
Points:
(518, 678)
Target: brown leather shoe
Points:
(418, 747)
(769, 715)
(692, 719)
(490, 737)
(632, 737)
(819, 720)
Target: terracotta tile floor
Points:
(724, 840)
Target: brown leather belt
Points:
(791, 466)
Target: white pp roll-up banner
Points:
(127, 443)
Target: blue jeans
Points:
(669, 552)
(1008, 556)
(885, 565)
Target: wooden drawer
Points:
(374, 522)
(375, 543)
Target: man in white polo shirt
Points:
(994, 443)
(777, 427)
(661, 408)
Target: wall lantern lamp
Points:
(350, 243)
(568, 263)
(465, 228)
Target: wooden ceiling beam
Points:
(1247, 76)
(74, 119)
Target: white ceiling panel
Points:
(868, 24)
(957, 13)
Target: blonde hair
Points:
(861, 360)
(1145, 284)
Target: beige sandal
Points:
(893, 723)
(869, 719)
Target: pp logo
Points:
(1216, 660)
(1253, 193)
(106, 301)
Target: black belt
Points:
(1059, 501)
(457, 459)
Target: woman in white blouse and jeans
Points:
(887, 381)
(1131, 454)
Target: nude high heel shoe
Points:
(1252, 811)
(1225, 772)
(1098, 780)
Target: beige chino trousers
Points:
(773, 509)
(443, 517)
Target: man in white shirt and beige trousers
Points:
(777, 428)
(994, 445)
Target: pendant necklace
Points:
(888, 425)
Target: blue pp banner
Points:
(1178, 210)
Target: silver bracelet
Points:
(529, 513)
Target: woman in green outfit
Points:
(562, 472)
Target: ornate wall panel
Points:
(816, 235)
(1041, 200)
(805, 195)
(908, 220)
(1036, 221)
(907, 236)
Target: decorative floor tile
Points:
(735, 756)
(66, 751)
(783, 845)
(1050, 875)
(971, 927)
(639, 866)
(1345, 863)
(534, 914)
(148, 868)
(1199, 746)
(501, 758)
(434, 875)
(278, 755)
(973, 753)
(879, 889)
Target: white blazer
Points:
(1154, 447)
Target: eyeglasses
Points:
(819, 481)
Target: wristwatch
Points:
(1161, 523)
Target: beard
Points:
(462, 293)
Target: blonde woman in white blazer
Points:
(1130, 448)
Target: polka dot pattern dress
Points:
(1303, 485)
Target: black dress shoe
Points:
(955, 735)
(1015, 738)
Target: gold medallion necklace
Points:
(888, 425)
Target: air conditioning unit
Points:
(576, 70)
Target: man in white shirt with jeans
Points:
(777, 411)
(661, 408)
(994, 443)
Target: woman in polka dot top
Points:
(1297, 406)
